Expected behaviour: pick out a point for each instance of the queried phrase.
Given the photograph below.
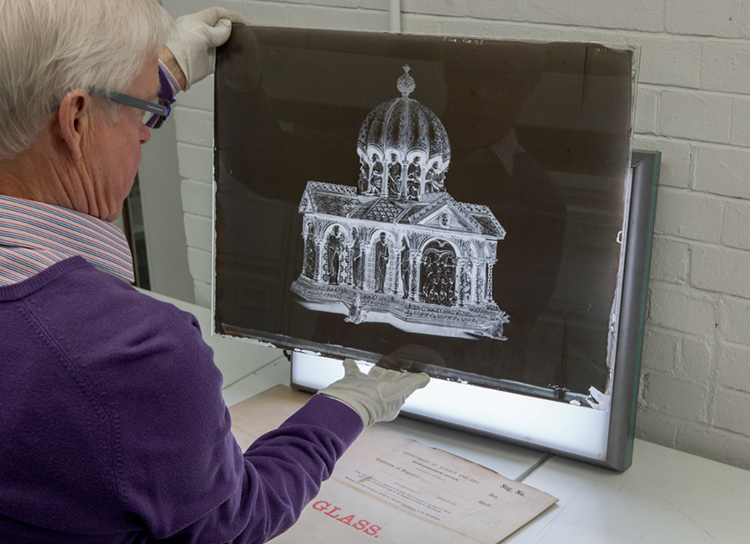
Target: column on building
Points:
(416, 266)
(463, 295)
(479, 272)
(391, 269)
(320, 243)
(369, 275)
(490, 267)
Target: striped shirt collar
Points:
(507, 149)
(34, 236)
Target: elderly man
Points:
(112, 424)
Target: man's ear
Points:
(74, 121)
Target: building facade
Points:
(398, 248)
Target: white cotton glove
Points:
(196, 38)
(377, 396)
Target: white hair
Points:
(49, 48)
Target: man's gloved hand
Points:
(377, 396)
(195, 39)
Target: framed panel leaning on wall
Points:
(458, 206)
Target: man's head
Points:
(486, 87)
(58, 58)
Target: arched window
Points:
(438, 273)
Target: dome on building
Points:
(403, 148)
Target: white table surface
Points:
(666, 496)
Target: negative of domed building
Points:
(398, 248)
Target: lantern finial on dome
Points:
(406, 83)
(403, 148)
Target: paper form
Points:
(392, 488)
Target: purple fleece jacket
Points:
(113, 428)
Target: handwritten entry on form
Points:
(390, 488)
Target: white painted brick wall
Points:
(702, 18)
(734, 321)
(709, 119)
(681, 309)
(670, 259)
(200, 264)
(737, 225)
(197, 197)
(660, 350)
(725, 66)
(722, 171)
(673, 396)
(731, 367)
(740, 132)
(646, 109)
(437, 7)
(506, 10)
(731, 410)
(194, 126)
(489, 29)
(643, 15)
(693, 105)
(198, 230)
(668, 60)
(677, 159)
(689, 215)
(716, 268)
(695, 360)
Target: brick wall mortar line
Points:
(726, 249)
(190, 144)
(617, 32)
(200, 250)
(704, 296)
(703, 143)
(667, 189)
(207, 183)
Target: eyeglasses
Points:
(154, 114)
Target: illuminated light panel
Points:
(537, 422)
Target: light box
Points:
(464, 207)
(603, 437)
